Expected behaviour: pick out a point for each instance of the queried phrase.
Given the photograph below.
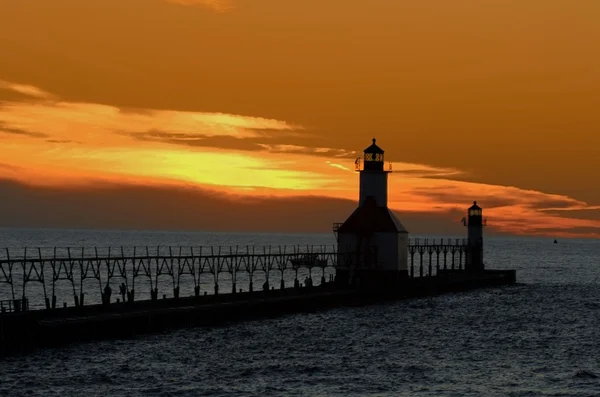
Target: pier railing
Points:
(448, 254)
(39, 278)
(45, 275)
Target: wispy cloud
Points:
(215, 5)
(17, 131)
(95, 122)
(339, 166)
(580, 206)
(26, 90)
(297, 149)
(424, 171)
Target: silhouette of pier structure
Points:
(373, 261)
(30, 278)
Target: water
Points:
(539, 338)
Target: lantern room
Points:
(474, 210)
(373, 158)
(475, 215)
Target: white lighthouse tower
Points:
(373, 176)
(372, 242)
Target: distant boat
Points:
(555, 242)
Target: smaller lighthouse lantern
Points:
(475, 214)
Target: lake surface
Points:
(538, 338)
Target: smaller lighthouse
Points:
(372, 241)
(475, 224)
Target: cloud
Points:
(62, 120)
(251, 140)
(17, 131)
(495, 196)
(424, 171)
(582, 207)
(9, 167)
(254, 140)
(61, 141)
(215, 5)
(508, 209)
(175, 207)
(139, 206)
(25, 90)
(148, 143)
(297, 149)
(339, 166)
(255, 158)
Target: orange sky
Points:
(493, 101)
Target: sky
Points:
(248, 114)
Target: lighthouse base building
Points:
(373, 240)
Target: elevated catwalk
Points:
(438, 268)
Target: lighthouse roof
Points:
(475, 206)
(374, 148)
(372, 219)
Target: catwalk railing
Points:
(38, 278)
(449, 254)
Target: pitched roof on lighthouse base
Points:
(369, 218)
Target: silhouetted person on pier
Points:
(296, 283)
(123, 291)
(107, 293)
(266, 286)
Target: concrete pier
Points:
(26, 331)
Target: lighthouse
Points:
(372, 242)
(475, 224)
